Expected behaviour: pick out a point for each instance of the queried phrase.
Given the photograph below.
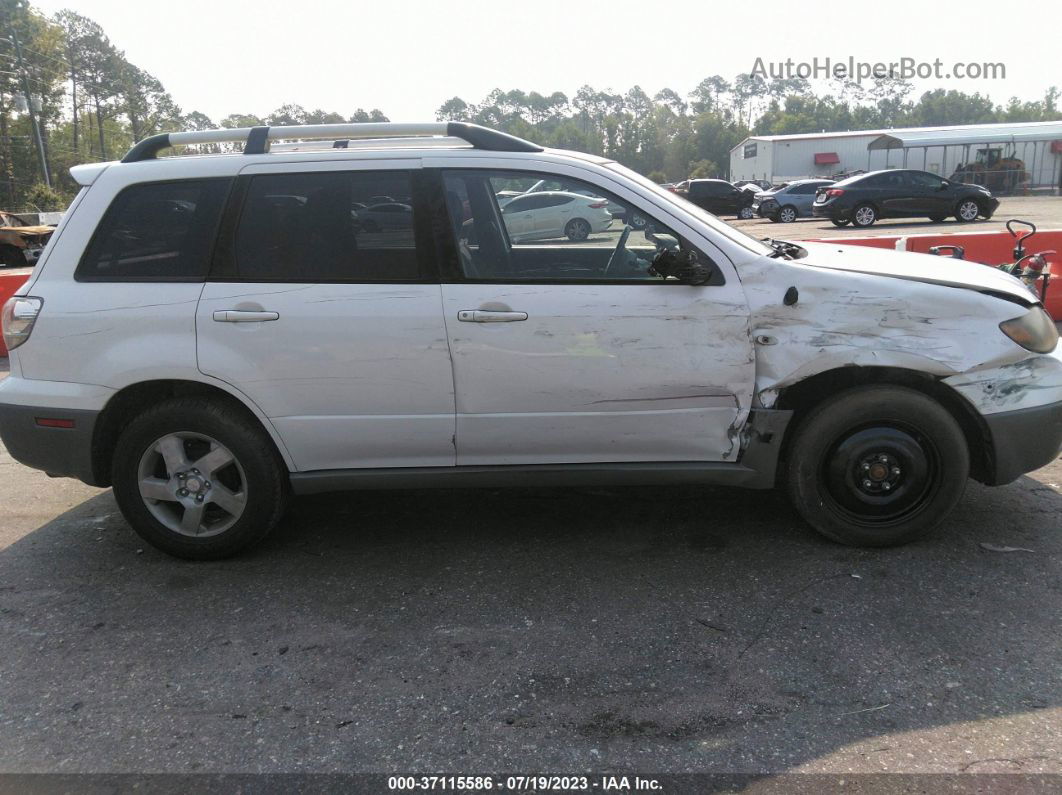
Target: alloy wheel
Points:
(787, 215)
(865, 216)
(968, 210)
(192, 484)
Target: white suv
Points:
(210, 333)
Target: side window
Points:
(558, 199)
(924, 180)
(156, 231)
(564, 236)
(328, 226)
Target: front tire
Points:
(745, 213)
(967, 210)
(787, 214)
(937, 218)
(577, 230)
(198, 479)
(877, 466)
(840, 221)
(864, 215)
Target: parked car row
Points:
(860, 199)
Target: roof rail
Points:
(256, 140)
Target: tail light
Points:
(598, 205)
(833, 193)
(19, 315)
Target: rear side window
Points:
(328, 226)
(156, 231)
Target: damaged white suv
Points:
(211, 333)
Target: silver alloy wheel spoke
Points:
(213, 461)
(179, 500)
(193, 518)
(171, 448)
(231, 502)
(157, 489)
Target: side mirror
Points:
(943, 186)
(680, 265)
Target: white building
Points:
(941, 150)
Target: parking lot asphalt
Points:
(652, 630)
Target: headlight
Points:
(1035, 330)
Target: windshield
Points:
(723, 228)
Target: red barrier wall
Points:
(10, 281)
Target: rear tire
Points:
(840, 221)
(198, 479)
(877, 466)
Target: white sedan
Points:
(553, 214)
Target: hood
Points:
(925, 268)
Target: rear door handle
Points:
(243, 316)
(488, 316)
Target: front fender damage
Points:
(864, 320)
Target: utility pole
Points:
(29, 109)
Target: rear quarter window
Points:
(156, 231)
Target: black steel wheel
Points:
(877, 466)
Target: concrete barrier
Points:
(10, 281)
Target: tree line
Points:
(669, 136)
(90, 103)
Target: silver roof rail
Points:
(256, 140)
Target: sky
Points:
(407, 57)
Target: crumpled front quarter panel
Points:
(844, 319)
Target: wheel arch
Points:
(127, 402)
(810, 392)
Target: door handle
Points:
(488, 316)
(243, 316)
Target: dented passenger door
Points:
(564, 354)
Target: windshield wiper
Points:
(783, 248)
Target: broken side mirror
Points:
(681, 265)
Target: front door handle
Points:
(243, 316)
(489, 316)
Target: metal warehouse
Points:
(1006, 157)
